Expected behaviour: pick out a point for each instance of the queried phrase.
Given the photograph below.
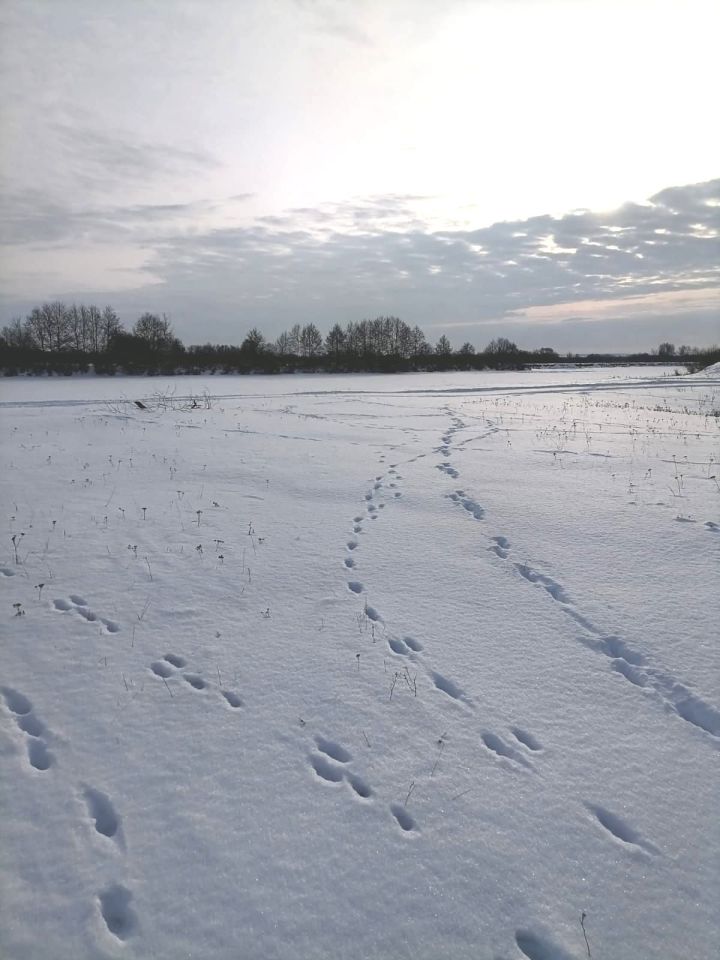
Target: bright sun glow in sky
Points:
(161, 146)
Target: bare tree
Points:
(155, 330)
(501, 345)
(254, 342)
(443, 348)
(294, 340)
(282, 344)
(18, 334)
(108, 327)
(335, 341)
(310, 341)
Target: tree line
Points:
(61, 338)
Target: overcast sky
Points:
(540, 169)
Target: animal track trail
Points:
(620, 829)
(172, 664)
(38, 754)
(77, 605)
(630, 664)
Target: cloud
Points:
(376, 255)
(103, 159)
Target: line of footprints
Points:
(76, 605)
(514, 754)
(113, 901)
(172, 665)
(626, 662)
(372, 513)
(330, 762)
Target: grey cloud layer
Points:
(379, 250)
(344, 260)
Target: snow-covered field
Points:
(415, 666)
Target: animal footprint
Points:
(447, 686)
(355, 586)
(526, 739)
(7, 572)
(39, 755)
(161, 669)
(195, 681)
(398, 646)
(18, 704)
(447, 468)
(325, 770)
(619, 829)
(501, 548)
(119, 917)
(329, 765)
(467, 503)
(403, 818)
(538, 948)
(175, 660)
(102, 812)
(404, 646)
(76, 604)
(232, 698)
(501, 749)
(333, 750)
(532, 576)
(359, 786)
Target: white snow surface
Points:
(410, 666)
